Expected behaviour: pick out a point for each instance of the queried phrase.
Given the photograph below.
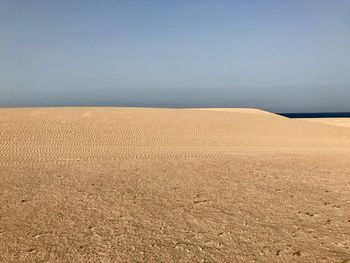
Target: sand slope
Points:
(238, 110)
(68, 134)
(343, 122)
(166, 185)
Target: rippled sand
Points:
(172, 185)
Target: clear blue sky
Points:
(276, 55)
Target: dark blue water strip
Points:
(316, 114)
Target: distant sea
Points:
(316, 115)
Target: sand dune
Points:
(68, 134)
(343, 122)
(238, 110)
(172, 185)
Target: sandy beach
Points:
(172, 185)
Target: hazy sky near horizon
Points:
(276, 55)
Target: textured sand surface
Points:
(172, 185)
(344, 122)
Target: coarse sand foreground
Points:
(172, 185)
